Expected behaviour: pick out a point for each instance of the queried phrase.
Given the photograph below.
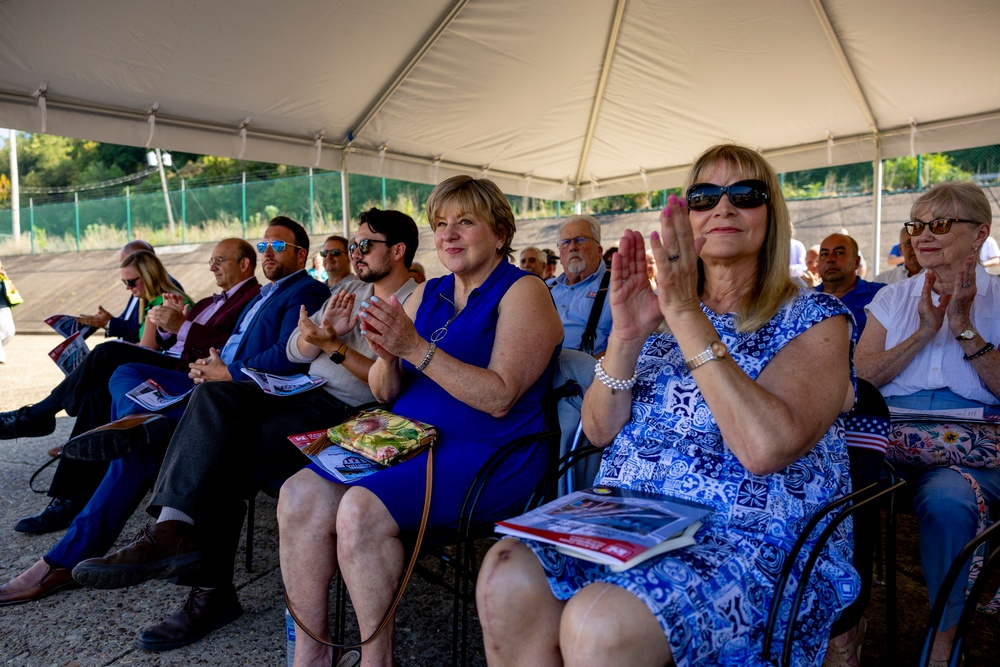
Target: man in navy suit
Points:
(84, 393)
(259, 341)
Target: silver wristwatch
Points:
(715, 350)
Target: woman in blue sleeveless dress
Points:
(471, 353)
(724, 409)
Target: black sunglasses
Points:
(335, 253)
(938, 226)
(742, 194)
(130, 283)
(364, 245)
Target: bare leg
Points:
(519, 614)
(943, 640)
(307, 515)
(371, 562)
(606, 625)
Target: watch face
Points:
(719, 349)
(968, 334)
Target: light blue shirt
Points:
(574, 303)
(229, 351)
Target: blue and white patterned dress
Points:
(712, 599)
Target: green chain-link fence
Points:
(204, 214)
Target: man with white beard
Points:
(582, 288)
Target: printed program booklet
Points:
(337, 461)
(66, 325)
(978, 415)
(70, 353)
(284, 385)
(153, 397)
(615, 527)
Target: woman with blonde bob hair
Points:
(144, 275)
(720, 409)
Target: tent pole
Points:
(878, 175)
(345, 195)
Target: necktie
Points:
(216, 298)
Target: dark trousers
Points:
(231, 441)
(84, 394)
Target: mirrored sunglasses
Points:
(277, 246)
(742, 194)
(938, 226)
(335, 253)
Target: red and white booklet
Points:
(615, 527)
(70, 353)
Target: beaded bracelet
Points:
(427, 357)
(614, 383)
(974, 355)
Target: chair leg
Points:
(891, 591)
(251, 515)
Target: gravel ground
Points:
(84, 628)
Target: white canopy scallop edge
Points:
(567, 99)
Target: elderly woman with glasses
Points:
(929, 345)
(722, 409)
(144, 275)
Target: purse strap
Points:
(403, 582)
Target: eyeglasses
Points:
(217, 261)
(938, 226)
(335, 253)
(130, 283)
(277, 246)
(364, 245)
(579, 240)
(741, 194)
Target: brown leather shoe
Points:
(38, 581)
(160, 551)
(204, 611)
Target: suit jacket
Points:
(263, 344)
(214, 333)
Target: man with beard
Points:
(259, 341)
(838, 265)
(582, 285)
(232, 440)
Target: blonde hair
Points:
(481, 197)
(772, 287)
(962, 199)
(155, 280)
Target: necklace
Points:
(442, 331)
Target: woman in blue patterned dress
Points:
(735, 406)
(472, 353)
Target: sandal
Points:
(349, 658)
(840, 656)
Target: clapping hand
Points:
(676, 253)
(337, 321)
(959, 308)
(388, 329)
(171, 315)
(931, 316)
(635, 312)
(100, 319)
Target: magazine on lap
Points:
(616, 527)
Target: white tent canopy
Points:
(567, 99)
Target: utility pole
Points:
(15, 199)
(166, 196)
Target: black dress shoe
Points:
(115, 440)
(20, 424)
(57, 516)
(204, 611)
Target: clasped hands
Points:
(636, 310)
